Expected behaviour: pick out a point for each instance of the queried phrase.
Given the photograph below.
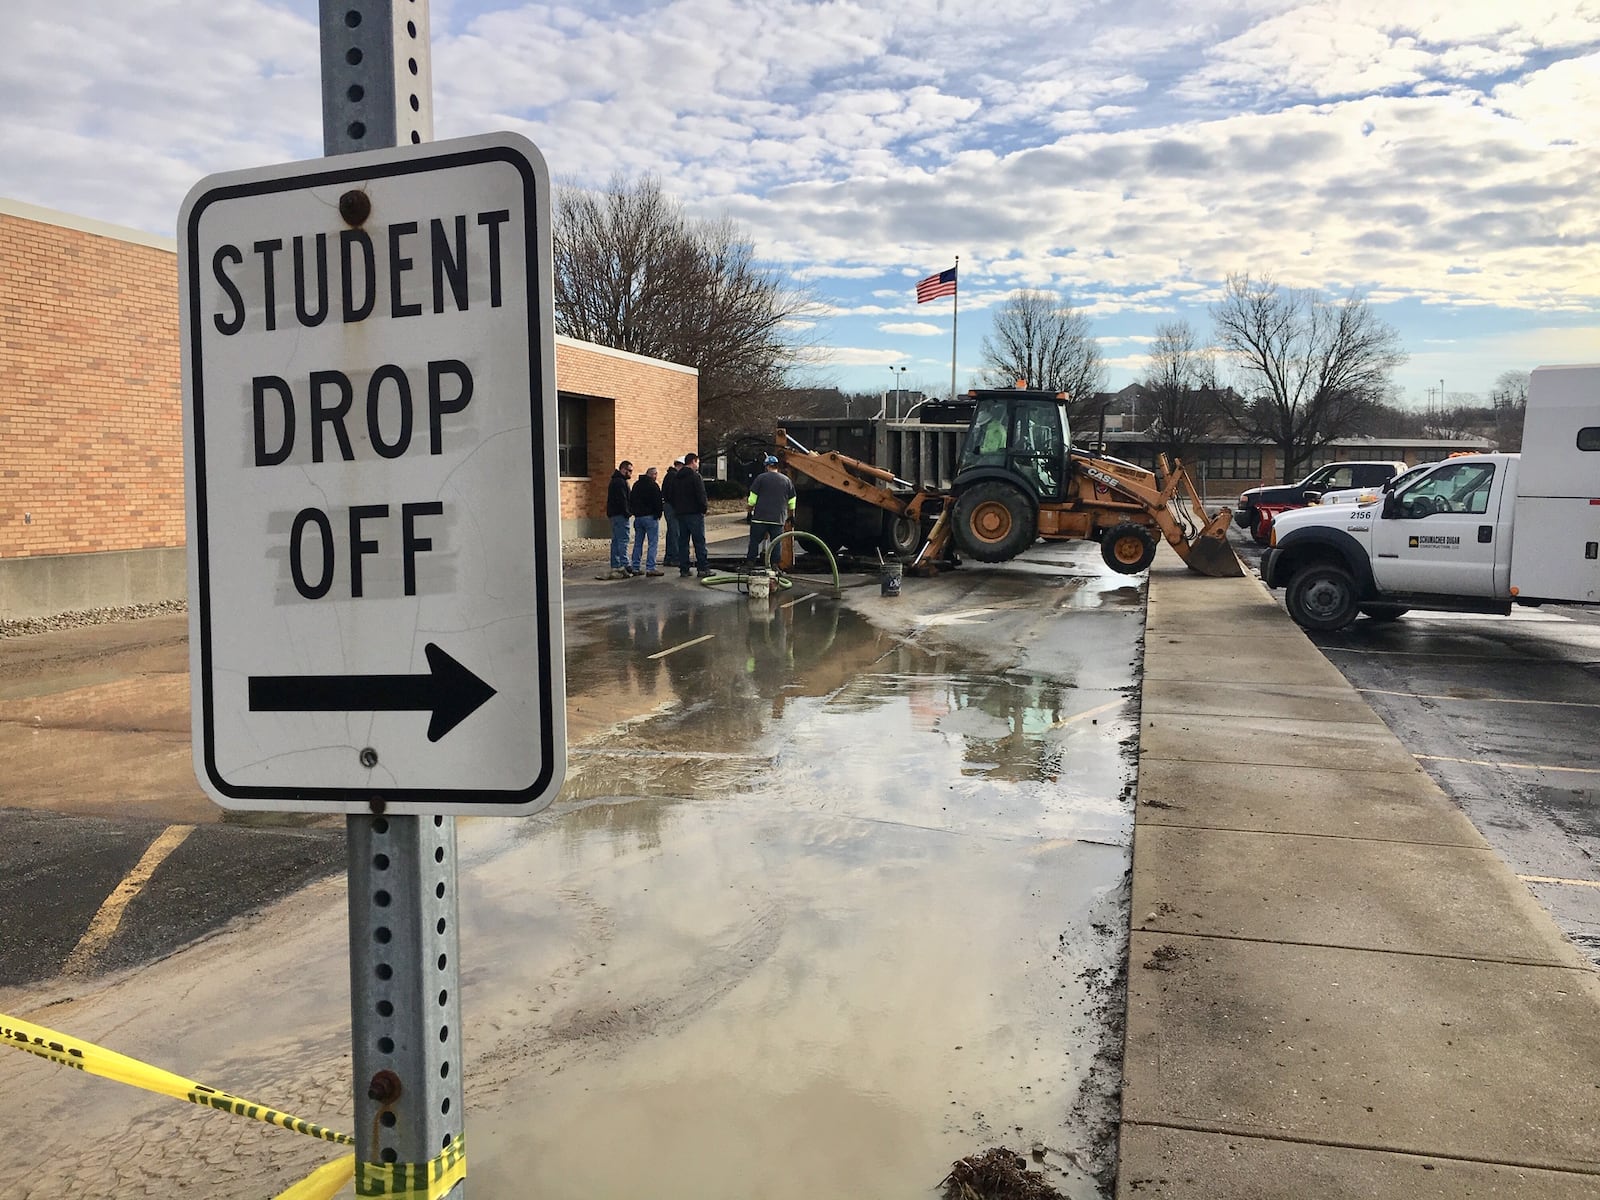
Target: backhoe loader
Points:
(1018, 478)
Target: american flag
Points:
(934, 286)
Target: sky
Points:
(1439, 157)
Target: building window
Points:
(1233, 462)
(1589, 437)
(572, 435)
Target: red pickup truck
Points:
(1259, 505)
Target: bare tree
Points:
(1510, 400)
(1181, 382)
(1314, 369)
(1046, 342)
(634, 273)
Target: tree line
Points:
(1291, 366)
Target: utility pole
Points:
(405, 991)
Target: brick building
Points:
(91, 428)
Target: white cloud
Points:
(911, 328)
(862, 356)
(1439, 153)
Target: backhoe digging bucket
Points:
(1205, 548)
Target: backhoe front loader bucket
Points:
(1211, 555)
(1204, 546)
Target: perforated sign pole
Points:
(405, 1008)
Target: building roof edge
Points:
(49, 216)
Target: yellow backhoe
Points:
(1018, 478)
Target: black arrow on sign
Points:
(449, 691)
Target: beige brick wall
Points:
(91, 429)
(649, 414)
(91, 435)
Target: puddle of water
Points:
(837, 911)
(718, 993)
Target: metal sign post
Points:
(405, 1056)
(374, 545)
(405, 982)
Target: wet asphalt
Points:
(834, 886)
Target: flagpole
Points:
(955, 314)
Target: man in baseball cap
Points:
(771, 503)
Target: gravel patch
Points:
(579, 550)
(24, 626)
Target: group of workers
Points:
(679, 500)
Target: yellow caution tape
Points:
(415, 1181)
(96, 1060)
(325, 1182)
(409, 1181)
(431, 1180)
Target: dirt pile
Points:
(996, 1174)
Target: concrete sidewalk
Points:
(1335, 988)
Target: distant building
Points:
(1226, 464)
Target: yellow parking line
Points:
(105, 923)
(1594, 883)
(1477, 699)
(1087, 713)
(681, 646)
(1483, 762)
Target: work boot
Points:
(655, 574)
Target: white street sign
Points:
(369, 411)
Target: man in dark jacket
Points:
(617, 509)
(645, 500)
(688, 498)
(674, 547)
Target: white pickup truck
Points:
(1474, 533)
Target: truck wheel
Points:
(1322, 597)
(1128, 548)
(901, 535)
(1384, 612)
(994, 522)
(1261, 531)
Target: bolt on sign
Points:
(369, 412)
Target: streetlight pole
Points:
(899, 374)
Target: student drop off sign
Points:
(369, 414)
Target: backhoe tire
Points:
(994, 522)
(1322, 598)
(1384, 612)
(1128, 548)
(902, 536)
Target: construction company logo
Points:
(1434, 543)
(1100, 478)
